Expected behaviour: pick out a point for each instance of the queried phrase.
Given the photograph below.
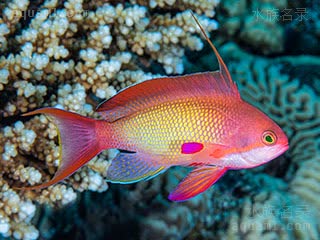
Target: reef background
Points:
(73, 54)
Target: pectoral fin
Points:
(199, 180)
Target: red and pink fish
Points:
(196, 120)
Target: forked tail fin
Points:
(78, 142)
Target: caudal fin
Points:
(77, 139)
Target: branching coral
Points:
(70, 55)
(199, 7)
(71, 44)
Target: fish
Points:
(197, 120)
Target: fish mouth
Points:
(259, 156)
(285, 148)
(253, 158)
(282, 149)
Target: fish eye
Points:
(269, 138)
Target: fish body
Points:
(162, 129)
(196, 120)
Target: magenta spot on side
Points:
(191, 147)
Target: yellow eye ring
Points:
(269, 138)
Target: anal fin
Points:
(133, 167)
(198, 180)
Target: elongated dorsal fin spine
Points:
(222, 66)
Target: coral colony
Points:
(62, 54)
(73, 54)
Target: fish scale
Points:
(164, 128)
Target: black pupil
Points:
(269, 139)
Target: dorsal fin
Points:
(160, 90)
(156, 91)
